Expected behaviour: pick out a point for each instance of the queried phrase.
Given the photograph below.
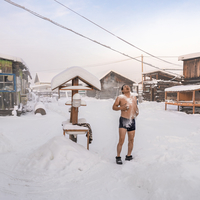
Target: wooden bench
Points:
(69, 128)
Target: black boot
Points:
(129, 158)
(119, 160)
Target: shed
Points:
(183, 96)
(111, 84)
(155, 83)
(14, 84)
(191, 68)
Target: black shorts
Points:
(128, 124)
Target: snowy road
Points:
(37, 162)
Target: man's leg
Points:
(122, 133)
(131, 135)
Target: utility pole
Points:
(142, 70)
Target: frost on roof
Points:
(74, 72)
(183, 88)
(189, 56)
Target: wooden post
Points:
(193, 101)
(178, 97)
(165, 100)
(88, 140)
(74, 111)
(58, 92)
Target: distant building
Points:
(191, 68)
(42, 87)
(111, 85)
(14, 84)
(155, 83)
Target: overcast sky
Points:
(162, 28)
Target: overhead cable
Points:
(115, 35)
(61, 26)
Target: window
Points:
(7, 82)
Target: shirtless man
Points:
(127, 103)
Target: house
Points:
(155, 82)
(42, 87)
(187, 96)
(111, 84)
(191, 68)
(14, 84)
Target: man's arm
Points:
(137, 110)
(116, 105)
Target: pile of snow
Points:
(61, 154)
(5, 144)
(47, 165)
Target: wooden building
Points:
(111, 85)
(191, 68)
(155, 83)
(13, 84)
(185, 97)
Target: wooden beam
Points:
(58, 92)
(165, 100)
(74, 111)
(193, 101)
(178, 97)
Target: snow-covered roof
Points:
(183, 88)
(7, 57)
(15, 59)
(73, 72)
(45, 77)
(40, 86)
(115, 73)
(165, 72)
(189, 56)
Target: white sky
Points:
(162, 28)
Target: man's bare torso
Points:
(131, 106)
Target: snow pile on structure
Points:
(5, 144)
(73, 72)
(61, 154)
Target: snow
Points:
(38, 162)
(13, 58)
(77, 88)
(183, 88)
(39, 105)
(189, 56)
(163, 71)
(73, 72)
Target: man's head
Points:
(125, 88)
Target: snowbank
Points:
(61, 154)
(5, 144)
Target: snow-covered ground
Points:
(37, 162)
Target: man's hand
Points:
(124, 107)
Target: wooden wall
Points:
(110, 86)
(191, 70)
(156, 92)
(8, 99)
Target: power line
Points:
(61, 26)
(95, 65)
(115, 35)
